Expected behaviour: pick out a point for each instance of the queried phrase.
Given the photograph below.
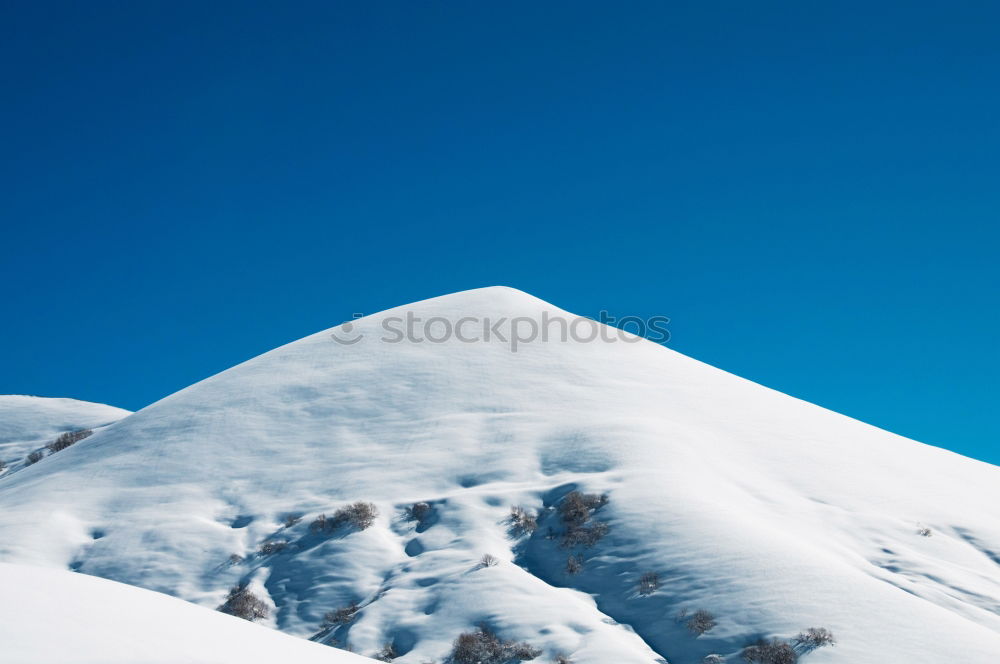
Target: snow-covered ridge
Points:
(27, 423)
(773, 514)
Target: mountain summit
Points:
(646, 487)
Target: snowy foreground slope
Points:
(51, 616)
(771, 513)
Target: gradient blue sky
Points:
(809, 190)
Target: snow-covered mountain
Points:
(771, 514)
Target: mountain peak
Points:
(495, 300)
(702, 491)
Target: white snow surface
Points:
(770, 512)
(52, 616)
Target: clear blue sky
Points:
(809, 190)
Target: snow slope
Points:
(51, 616)
(772, 513)
(28, 423)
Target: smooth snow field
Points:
(55, 617)
(771, 513)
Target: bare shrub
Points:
(562, 659)
(576, 510)
(775, 651)
(700, 622)
(320, 523)
(418, 511)
(69, 438)
(649, 583)
(269, 548)
(573, 509)
(342, 616)
(387, 653)
(713, 659)
(576, 507)
(34, 457)
(361, 515)
(244, 604)
(522, 651)
(3, 466)
(489, 560)
(815, 637)
(522, 522)
(235, 559)
(574, 564)
(485, 647)
(477, 647)
(587, 536)
(924, 531)
(291, 520)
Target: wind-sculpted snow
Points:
(770, 513)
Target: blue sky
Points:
(808, 190)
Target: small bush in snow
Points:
(69, 438)
(361, 515)
(713, 659)
(488, 560)
(522, 522)
(341, 616)
(575, 511)
(587, 535)
(924, 531)
(485, 647)
(649, 583)
(477, 648)
(700, 622)
(574, 564)
(562, 659)
(523, 651)
(34, 457)
(3, 466)
(576, 507)
(775, 651)
(269, 548)
(815, 637)
(418, 511)
(235, 559)
(291, 520)
(387, 653)
(244, 604)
